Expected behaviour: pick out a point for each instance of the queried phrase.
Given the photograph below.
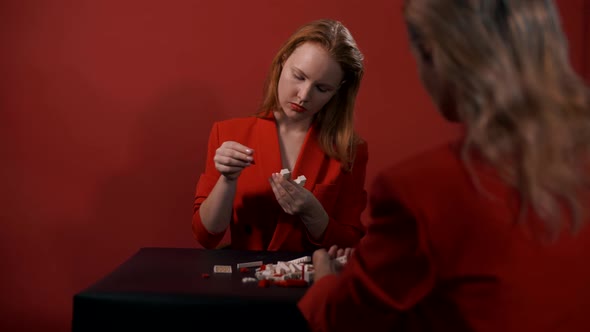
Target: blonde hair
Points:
(335, 122)
(525, 110)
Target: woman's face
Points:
(436, 84)
(309, 79)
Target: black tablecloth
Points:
(164, 289)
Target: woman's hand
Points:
(231, 158)
(326, 262)
(293, 198)
(296, 200)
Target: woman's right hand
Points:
(231, 158)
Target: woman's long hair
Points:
(524, 108)
(335, 122)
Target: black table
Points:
(164, 289)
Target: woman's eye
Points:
(322, 89)
(299, 78)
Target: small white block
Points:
(301, 179)
(304, 259)
(289, 276)
(308, 273)
(222, 268)
(249, 279)
(285, 173)
(249, 264)
(282, 268)
(342, 259)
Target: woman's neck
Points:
(286, 125)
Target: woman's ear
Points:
(425, 52)
(422, 47)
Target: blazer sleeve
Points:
(205, 185)
(345, 228)
(390, 271)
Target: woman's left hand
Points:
(293, 198)
(296, 200)
(325, 263)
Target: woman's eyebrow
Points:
(300, 72)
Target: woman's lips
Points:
(297, 108)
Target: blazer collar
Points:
(268, 158)
(310, 159)
(268, 153)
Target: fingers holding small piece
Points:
(281, 195)
(333, 251)
(225, 169)
(231, 145)
(348, 252)
(223, 160)
(277, 188)
(231, 158)
(229, 151)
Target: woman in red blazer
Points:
(305, 126)
(488, 233)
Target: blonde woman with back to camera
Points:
(488, 233)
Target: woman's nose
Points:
(304, 93)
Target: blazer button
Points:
(248, 229)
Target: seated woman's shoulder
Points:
(237, 124)
(436, 161)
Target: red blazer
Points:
(258, 221)
(440, 256)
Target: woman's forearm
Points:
(216, 210)
(316, 221)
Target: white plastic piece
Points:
(249, 279)
(290, 276)
(304, 259)
(301, 179)
(342, 259)
(286, 271)
(285, 173)
(282, 268)
(250, 264)
(263, 275)
(222, 269)
(308, 273)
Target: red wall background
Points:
(105, 108)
